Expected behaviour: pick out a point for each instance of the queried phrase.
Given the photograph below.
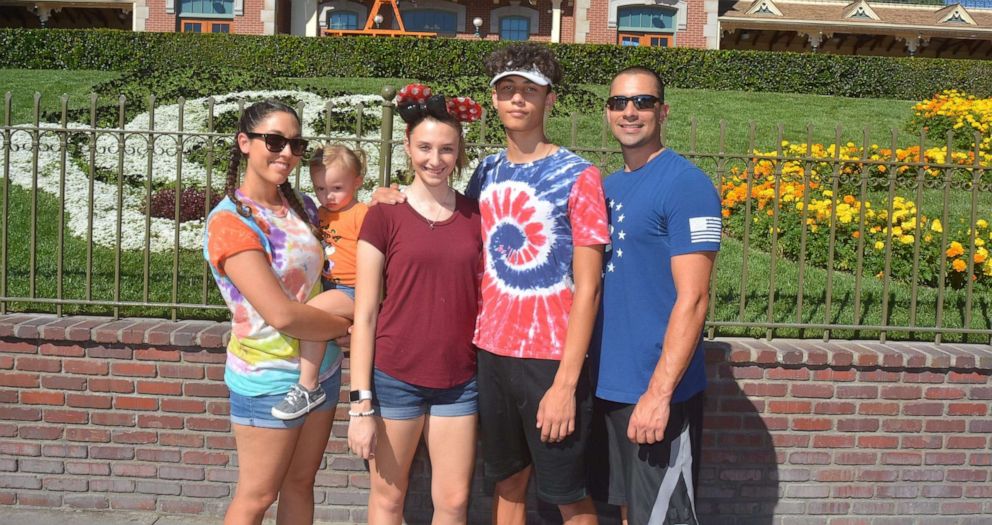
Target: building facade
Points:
(908, 28)
(859, 27)
(668, 23)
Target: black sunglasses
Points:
(413, 112)
(619, 103)
(276, 143)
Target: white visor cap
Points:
(533, 75)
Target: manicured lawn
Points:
(24, 83)
(788, 293)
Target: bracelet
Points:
(366, 413)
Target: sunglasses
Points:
(276, 143)
(641, 102)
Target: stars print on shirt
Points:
(616, 237)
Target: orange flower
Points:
(954, 250)
(856, 234)
(980, 257)
(725, 212)
(849, 199)
(959, 265)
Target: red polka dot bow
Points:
(416, 101)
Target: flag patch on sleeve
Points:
(705, 229)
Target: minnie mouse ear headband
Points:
(416, 101)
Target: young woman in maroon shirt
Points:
(413, 352)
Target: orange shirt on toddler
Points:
(341, 230)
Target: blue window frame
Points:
(207, 8)
(205, 26)
(646, 19)
(514, 28)
(342, 20)
(444, 22)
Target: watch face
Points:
(354, 395)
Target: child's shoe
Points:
(298, 401)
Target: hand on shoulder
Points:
(390, 195)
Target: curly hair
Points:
(525, 56)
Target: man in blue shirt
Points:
(665, 227)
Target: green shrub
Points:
(444, 59)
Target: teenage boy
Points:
(665, 225)
(544, 229)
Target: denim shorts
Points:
(345, 289)
(256, 411)
(395, 399)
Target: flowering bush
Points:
(958, 112)
(805, 205)
(840, 201)
(192, 204)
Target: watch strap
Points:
(360, 395)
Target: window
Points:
(644, 18)
(342, 20)
(658, 41)
(207, 8)
(653, 40)
(514, 28)
(445, 22)
(764, 10)
(205, 26)
(956, 18)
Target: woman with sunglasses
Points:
(412, 359)
(266, 257)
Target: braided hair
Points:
(253, 116)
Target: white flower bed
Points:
(164, 166)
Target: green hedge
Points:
(445, 59)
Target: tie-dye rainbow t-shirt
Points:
(533, 215)
(260, 360)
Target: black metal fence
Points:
(101, 213)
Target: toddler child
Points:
(337, 173)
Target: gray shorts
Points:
(656, 482)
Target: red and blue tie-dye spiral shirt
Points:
(533, 215)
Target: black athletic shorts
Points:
(656, 482)
(510, 390)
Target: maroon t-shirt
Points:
(426, 321)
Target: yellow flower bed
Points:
(805, 201)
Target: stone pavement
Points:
(23, 516)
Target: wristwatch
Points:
(360, 395)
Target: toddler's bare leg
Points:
(312, 352)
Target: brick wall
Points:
(158, 20)
(695, 20)
(132, 415)
(248, 24)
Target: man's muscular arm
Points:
(691, 273)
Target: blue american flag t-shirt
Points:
(667, 208)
